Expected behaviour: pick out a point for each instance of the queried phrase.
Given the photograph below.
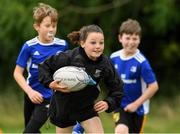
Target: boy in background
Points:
(139, 81)
(36, 50)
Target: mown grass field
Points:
(163, 118)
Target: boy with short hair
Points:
(33, 52)
(139, 80)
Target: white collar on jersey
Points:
(44, 44)
(123, 57)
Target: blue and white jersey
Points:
(34, 52)
(136, 73)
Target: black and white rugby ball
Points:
(74, 77)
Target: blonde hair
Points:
(44, 10)
(81, 35)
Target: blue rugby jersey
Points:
(34, 52)
(136, 73)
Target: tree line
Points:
(160, 21)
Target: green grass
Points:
(164, 116)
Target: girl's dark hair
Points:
(81, 35)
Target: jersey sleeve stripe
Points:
(140, 58)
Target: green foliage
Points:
(163, 12)
(159, 19)
(171, 51)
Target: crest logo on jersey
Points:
(36, 53)
(97, 73)
(133, 69)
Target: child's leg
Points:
(64, 130)
(121, 129)
(39, 117)
(93, 125)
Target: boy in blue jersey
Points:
(33, 52)
(139, 81)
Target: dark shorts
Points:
(35, 115)
(63, 113)
(132, 120)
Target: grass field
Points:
(163, 118)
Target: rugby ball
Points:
(74, 77)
